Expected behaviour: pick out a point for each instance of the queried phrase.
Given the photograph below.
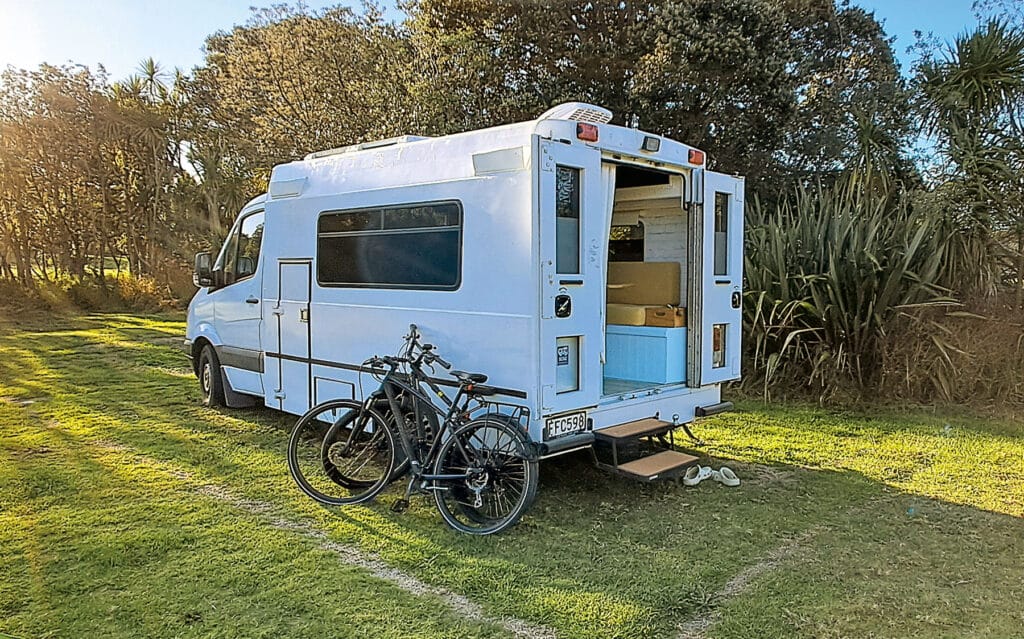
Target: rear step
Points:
(654, 466)
(662, 464)
(633, 430)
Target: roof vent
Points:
(578, 111)
(376, 144)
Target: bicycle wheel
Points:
(501, 476)
(341, 453)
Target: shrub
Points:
(828, 275)
(116, 293)
(974, 358)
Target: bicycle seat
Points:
(469, 378)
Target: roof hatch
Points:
(578, 111)
(376, 144)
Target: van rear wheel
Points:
(211, 384)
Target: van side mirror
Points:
(202, 275)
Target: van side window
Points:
(415, 246)
(567, 220)
(249, 241)
(241, 253)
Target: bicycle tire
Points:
(497, 497)
(369, 445)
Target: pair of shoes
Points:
(696, 474)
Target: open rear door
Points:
(572, 221)
(717, 282)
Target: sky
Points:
(120, 33)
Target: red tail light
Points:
(586, 132)
(696, 157)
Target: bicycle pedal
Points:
(400, 506)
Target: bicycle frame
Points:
(389, 384)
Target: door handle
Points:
(252, 300)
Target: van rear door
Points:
(572, 219)
(717, 283)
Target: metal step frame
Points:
(662, 464)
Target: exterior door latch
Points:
(737, 299)
(303, 314)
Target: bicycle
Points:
(476, 460)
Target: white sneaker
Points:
(696, 474)
(726, 477)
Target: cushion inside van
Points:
(627, 314)
(646, 283)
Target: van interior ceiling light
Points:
(651, 144)
(696, 157)
(586, 132)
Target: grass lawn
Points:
(846, 525)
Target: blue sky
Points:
(120, 33)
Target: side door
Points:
(237, 298)
(290, 374)
(571, 222)
(718, 248)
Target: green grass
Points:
(910, 525)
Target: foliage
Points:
(804, 98)
(968, 358)
(769, 89)
(116, 293)
(972, 102)
(827, 277)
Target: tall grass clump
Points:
(829, 273)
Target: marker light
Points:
(586, 132)
(696, 157)
(651, 144)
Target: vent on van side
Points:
(578, 111)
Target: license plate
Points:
(565, 424)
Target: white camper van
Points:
(596, 268)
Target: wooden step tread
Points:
(650, 468)
(639, 428)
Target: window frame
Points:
(405, 231)
(222, 257)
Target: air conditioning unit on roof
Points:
(578, 111)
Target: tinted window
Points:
(414, 246)
(249, 241)
(721, 233)
(241, 252)
(567, 220)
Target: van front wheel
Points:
(211, 385)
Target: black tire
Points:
(338, 466)
(503, 476)
(211, 384)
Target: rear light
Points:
(586, 132)
(651, 144)
(696, 157)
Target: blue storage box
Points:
(646, 353)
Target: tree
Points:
(972, 101)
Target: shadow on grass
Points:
(597, 555)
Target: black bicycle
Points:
(472, 453)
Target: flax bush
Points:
(829, 273)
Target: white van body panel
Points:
(304, 340)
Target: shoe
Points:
(695, 475)
(726, 477)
